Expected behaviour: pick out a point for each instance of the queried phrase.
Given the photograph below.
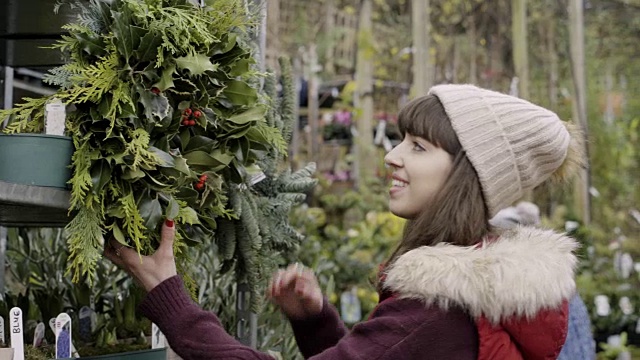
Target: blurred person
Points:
(580, 344)
(453, 288)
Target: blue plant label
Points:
(17, 333)
(85, 323)
(63, 336)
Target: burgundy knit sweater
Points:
(397, 329)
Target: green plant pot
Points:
(36, 159)
(152, 354)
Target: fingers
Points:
(296, 278)
(167, 236)
(110, 253)
(119, 254)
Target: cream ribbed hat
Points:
(513, 145)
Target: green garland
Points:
(169, 120)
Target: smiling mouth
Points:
(398, 183)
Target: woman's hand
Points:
(296, 291)
(148, 271)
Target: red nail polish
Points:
(169, 223)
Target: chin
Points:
(401, 214)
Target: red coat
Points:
(515, 288)
(540, 338)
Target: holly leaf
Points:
(131, 174)
(90, 43)
(199, 143)
(188, 216)
(240, 93)
(155, 106)
(196, 64)
(229, 43)
(166, 81)
(100, 176)
(214, 161)
(181, 165)
(240, 67)
(128, 36)
(118, 235)
(148, 49)
(173, 209)
(256, 113)
(151, 212)
(166, 160)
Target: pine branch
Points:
(287, 106)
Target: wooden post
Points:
(313, 106)
(421, 32)
(329, 30)
(365, 163)
(576, 33)
(273, 33)
(519, 41)
(473, 49)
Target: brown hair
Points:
(459, 215)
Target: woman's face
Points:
(419, 172)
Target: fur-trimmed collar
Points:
(522, 272)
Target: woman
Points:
(452, 289)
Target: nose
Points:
(392, 158)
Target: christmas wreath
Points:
(169, 119)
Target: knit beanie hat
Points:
(513, 145)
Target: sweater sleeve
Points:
(399, 329)
(320, 332)
(407, 329)
(192, 332)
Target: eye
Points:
(418, 147)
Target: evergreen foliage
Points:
(161, 95)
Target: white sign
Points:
(157, 337)
(602, 305)
(626, 265)
(55, 115)
(17, 339)
(38, 336)
(2, 339)
(625, 305)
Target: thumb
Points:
(167, 235)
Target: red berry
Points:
(187, 112)
(197, 113)
(203, 177)
(185, 122)
(155, 90)
(199, 186)
(192, 122)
